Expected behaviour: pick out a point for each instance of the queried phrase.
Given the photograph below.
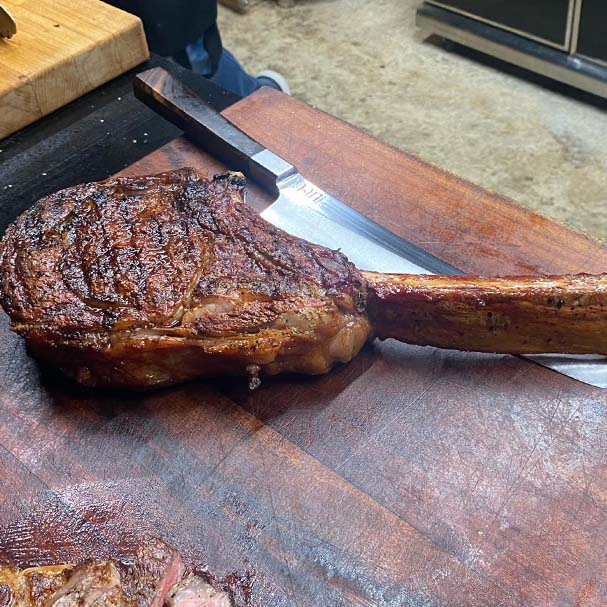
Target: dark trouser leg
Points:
(229, 73)
(232, 76)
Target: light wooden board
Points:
(62, 49)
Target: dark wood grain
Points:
(411, 476)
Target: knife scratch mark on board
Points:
(511, 487)
(383, 428)
(277, 526)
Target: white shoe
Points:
(280, 81)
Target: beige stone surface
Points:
(366, 62)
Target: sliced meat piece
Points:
(153, 578)
(12, 587)
(94, 584)
(6, 596)
(32, 587)
(42, 582)
(155, 569)
(194, 591)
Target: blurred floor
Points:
(539, 143)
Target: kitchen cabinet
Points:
(546, 20)
(562, 39)
(591, 39)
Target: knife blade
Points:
(307, 211)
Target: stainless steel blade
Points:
(306, 211)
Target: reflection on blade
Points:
(588, 368)
(308, 212)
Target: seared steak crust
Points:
(147, 281)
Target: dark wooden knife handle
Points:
(201, 123)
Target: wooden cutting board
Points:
(62, 49)
(410, 476)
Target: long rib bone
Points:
(521, 315)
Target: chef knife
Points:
(305, 210)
